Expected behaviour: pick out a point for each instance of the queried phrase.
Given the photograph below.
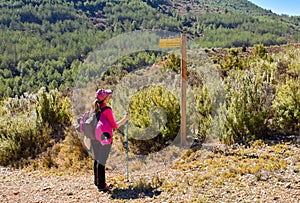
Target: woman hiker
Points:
(101, 152)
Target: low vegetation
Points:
(262, 101)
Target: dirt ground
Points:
(191, 179)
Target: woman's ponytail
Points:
(97, 105)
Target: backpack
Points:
(87, 126)
(103, 130)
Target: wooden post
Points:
(180, 42)
(183, 90)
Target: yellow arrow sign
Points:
(169, 43)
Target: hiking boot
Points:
(106, 188)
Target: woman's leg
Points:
(95, 151)
(104, 151)
(101, 154)
(101, 176)
(96, 174)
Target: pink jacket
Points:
(105, 125)
(108, 114)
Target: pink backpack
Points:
(103, 130)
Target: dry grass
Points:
(259, 173)
(197, 175)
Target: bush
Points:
(173, 63)
(20, 137)
(287, 106)
(67, 155)
(30, 124)
(155, 114)
(233, 61)
(52, 108)
(54, 111)
(260, 51)
(204, 108)
(246, 106)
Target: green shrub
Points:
(21, 138)
(287, 106)
(204, 108)
(173, 63)
(233, 61)
(260, 51)
(30, 124)
(154, 112)
(247, 96)
(53, 110)
(288, 64)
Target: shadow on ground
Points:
(136, 192)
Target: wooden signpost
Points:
(169, 43)
(180, 42)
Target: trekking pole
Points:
(127, 150)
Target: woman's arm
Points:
(110, 118)
(123, 120)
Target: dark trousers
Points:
(100, 154)
(99, 175)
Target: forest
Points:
(44, 43)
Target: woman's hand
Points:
(123, 120)
(127, 117)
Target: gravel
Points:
(161, 182)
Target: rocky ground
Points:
(260, 173)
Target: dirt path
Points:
(204, 176)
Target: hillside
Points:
(45, 43)
(196, 7)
